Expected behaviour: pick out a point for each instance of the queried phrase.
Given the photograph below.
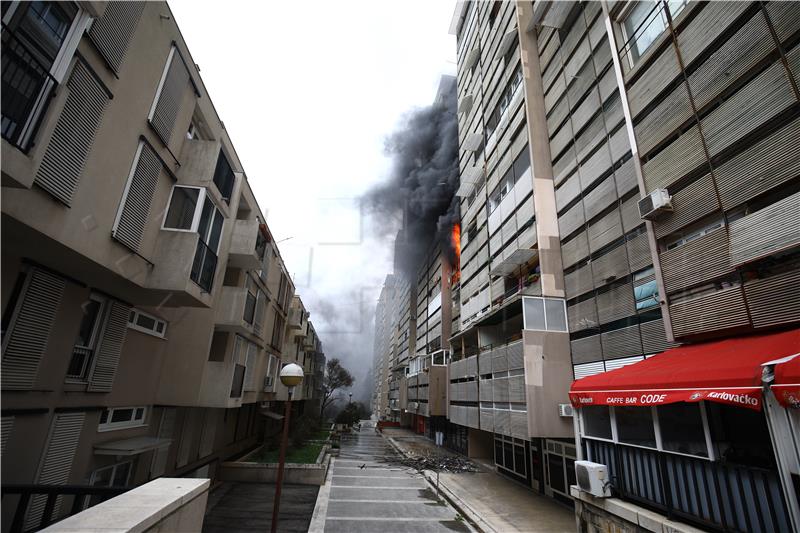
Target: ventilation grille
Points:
(73, 135)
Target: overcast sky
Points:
(308, 92)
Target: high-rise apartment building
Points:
(144, 299)
(629, 176)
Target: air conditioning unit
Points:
(657, 202)
(565, 410)
(593, 478)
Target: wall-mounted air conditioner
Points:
(593, 478)
(654, 204)
(565, 410)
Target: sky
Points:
(308, 92)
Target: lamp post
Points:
(291, 376)
(351, 398)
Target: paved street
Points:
(365, 492)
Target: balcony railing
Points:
(79, 363)
(712, 494)
(83, 495)
(204, 266)
(26, 91)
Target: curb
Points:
(458, 504)
(317, 524)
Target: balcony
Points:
(184, 270)
(236, 310)
(27, 91)
(248, 245)
(201, 166)
(295, 319)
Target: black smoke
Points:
(422, 182)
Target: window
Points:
(691, 234)
(88, 334)
(39, 39)
(122, 417)
(635, 426)
(224, 177)
(519, 168)
(117, 475)
(597, 421)
(682, 429)
(498, 114)
(252, 299)
(13, 300)
(544, 314)
(643, 23)
(141, 321)
(191, 209)
(237, 385)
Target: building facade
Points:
(576, 122)
(145, 303)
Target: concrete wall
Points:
(165, 505)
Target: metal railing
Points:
(204, 266)
(84, 496)
(713, 494)
(79, 363)
(26, 91)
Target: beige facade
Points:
(145, 303)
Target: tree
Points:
(336, 377)
(352, 414)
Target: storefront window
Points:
(596, 421)
(635, 426)
(681, 426)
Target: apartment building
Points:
(303, 347)
(628, 174)
(144, 299)
(384, 348)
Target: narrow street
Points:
(365, 492)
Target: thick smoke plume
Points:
(422, 182)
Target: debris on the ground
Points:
(435, 462)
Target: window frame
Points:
(656, 431)
(133, 324)
(96, 335)
(544, 314)
(134, 422)
(625, 15)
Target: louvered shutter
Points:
(165, 429)
(250, 367)
(73, 135)
(135, 208)
(30, 333)
(168, 100)
(6, 425)
(112, 32)
(108, 351)
(65, 432)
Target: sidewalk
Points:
(492, 502)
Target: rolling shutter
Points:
(135, 208)
(73, 135)
(165, 429)
(168, 99)
(56, 463)
(30, 332)
(110, 348)
(112, 32)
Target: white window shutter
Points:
(59, 454)
(135, 209)
(30, 331)
(168, 100)
(73, 135)
(112, 32)
(106, 358)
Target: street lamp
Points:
(351, 398)
(291, 376)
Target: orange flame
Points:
(455, 238)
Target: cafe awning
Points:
(727, 371)
(786, 386)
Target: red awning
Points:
(727, 371)
(786, 386)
